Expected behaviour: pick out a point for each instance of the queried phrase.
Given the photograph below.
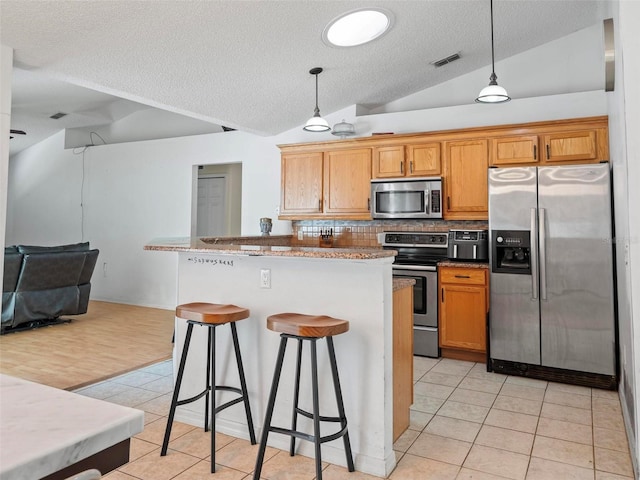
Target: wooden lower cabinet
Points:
(463, 312)
(402, 359)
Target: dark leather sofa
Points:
(43, 283)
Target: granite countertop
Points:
(400, 283)
(456, 263)
(273, 246)
(45, 429)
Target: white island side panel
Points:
(356, 290)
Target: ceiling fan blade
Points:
(16, 132)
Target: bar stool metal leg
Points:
(341, 412)
(270, 406)
(316, 408)
(176, 390)
(296, 395)
(243, 384)
(212, 362)
(208, 387)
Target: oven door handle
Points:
(418, 268)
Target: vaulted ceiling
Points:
(245, 64)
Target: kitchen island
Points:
(352, 284)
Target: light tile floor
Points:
(465, 424)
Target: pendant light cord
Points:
(317, 109)
(493, 68)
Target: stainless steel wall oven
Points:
(418, 255)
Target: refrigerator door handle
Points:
(534, 254)
(543, 254)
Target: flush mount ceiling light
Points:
(357, 27)
(316, 123)
(493, 93)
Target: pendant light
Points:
(493, 93)
(316, 123)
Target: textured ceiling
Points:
(244, 64)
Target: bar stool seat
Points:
(307, 325)
(309, 328)
(210, 315)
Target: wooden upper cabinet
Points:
(514, 150)
(567, 146)
(388, 162)
(331, 179)
(412, 160)
(347, 183)
(424, 160)
(465, 179)
(301, 191)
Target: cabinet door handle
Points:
(368, 204)
(548, 152)
(320, 204)
(463, 276)
(402, 167)
(411, 166)
(448, 203)
(442, 294)
(535, 152)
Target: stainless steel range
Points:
(418, 255)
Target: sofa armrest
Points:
(91, 257)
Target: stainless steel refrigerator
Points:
(552, 280)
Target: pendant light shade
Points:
(493, 93)
(316, 123)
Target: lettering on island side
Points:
(210, 261)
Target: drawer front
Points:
(469, 276)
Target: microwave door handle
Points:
(427, 202)
(455, 251)
(475, 252)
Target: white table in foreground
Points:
(50, 433)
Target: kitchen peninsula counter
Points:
(270, 246)
(352, 284)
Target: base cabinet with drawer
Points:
(463, 312)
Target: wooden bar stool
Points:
(210, 315)
(310, 328)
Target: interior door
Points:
(211, 216)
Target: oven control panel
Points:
(416, 239)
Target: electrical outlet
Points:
(300, 235)
(265, 278)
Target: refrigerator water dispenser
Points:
(511, 251)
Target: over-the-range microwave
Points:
(406, 198)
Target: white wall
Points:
(566, 65)
(6, 60)
(624, 118)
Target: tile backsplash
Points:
(364, 233)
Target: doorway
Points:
(216, 200)
(211, 206)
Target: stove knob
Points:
(499, 239)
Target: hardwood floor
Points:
(110, 339)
